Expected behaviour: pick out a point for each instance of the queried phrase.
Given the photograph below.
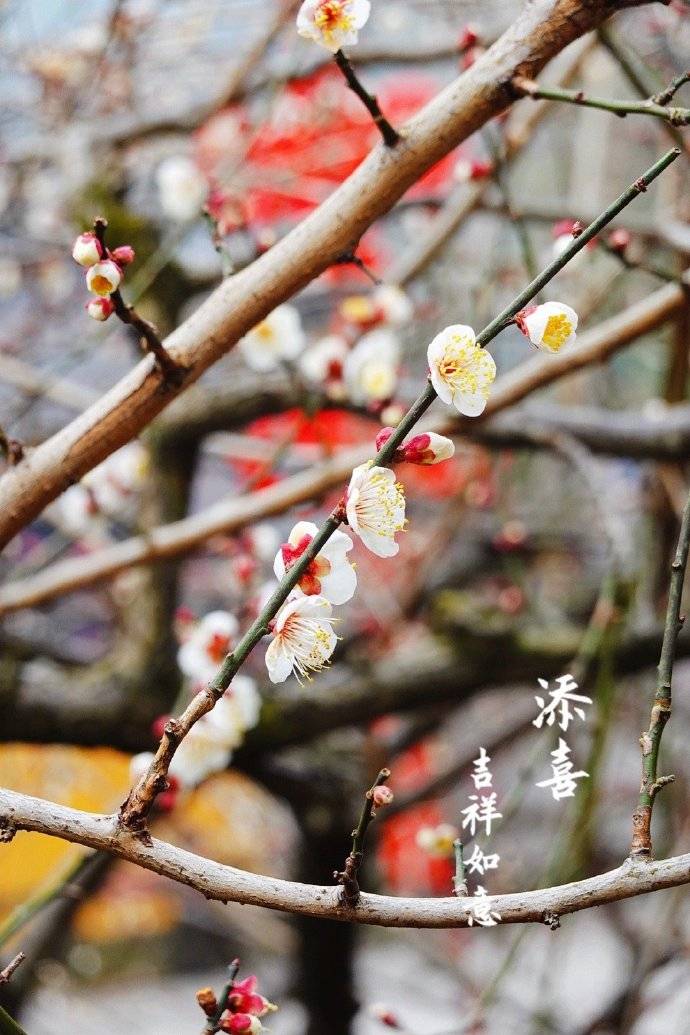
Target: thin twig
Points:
(7, 972)
(148, 334)
(10, 448)
(674, 116)
(348, 876)
(390, 136)
(650, 740)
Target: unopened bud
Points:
(87, 249)
(206, 999)
(123, 255)
(381, 795)
(619, 240)
(100, 308)
(428, 448)
(241, 1024)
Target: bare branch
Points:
(227, 884)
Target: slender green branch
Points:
(8, 1026)
(214, 1020)
(136, 808)
(650, 741)
(390, 136)
(28, 910)
(637, 73)
(667, 94)
(674, 116)
(348, 876)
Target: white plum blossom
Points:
(330, 574)
(87, 250)
(332, 23)
(208, 746)
(375, 508)
(549, 326)
(111, 490)
(104, 277)
(437, 841)
(202, 654)
(323, 363)
(182, 188)
(279, 337)
(394, 304)
(371, 369)
(461, 371)
(303, 638)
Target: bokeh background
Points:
(522, 559)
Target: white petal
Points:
(470, 404)
(279, 665)
(340, 584)
(381, 545)
(301, 529)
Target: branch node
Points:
(552, 920)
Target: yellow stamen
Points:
(557, 331)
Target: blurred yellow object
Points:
(95, 779)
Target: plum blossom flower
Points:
(394, 304)
(371, 369)
(241, 1024)
(303, 638)
(549, 326)
(426, 448)
(323, 364)
(208, 746)
(279, 337)
(104, 277)
(460, 370)
(100, 308)
(87, 250)
(201, 655)
(182, 188)
(375, 508)
(330, 574)
(111, 490)
(437, 841)
(244, 998)
(332, 23)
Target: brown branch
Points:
(542, 30)
(11, 448)
(650, 741)
(391, 137)
(7, 972)
(348, 877)
(226, 516)
(148, 335)
(228, 884)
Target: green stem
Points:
(460, 878)
(28, 910)
(138, 804)
(661, 709)
(390, 136)
(674, 116)
(638, 75)
(348, 876)
(8, 1026)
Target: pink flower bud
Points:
(428, 448)
(385, 1016)
(468, 37)
(382, 437)
(381, 795)
(104, 277)
(87, 249)
(241, 1024)
(99, 308)
(122, 255)
(619, 240)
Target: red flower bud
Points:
(123, 255)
